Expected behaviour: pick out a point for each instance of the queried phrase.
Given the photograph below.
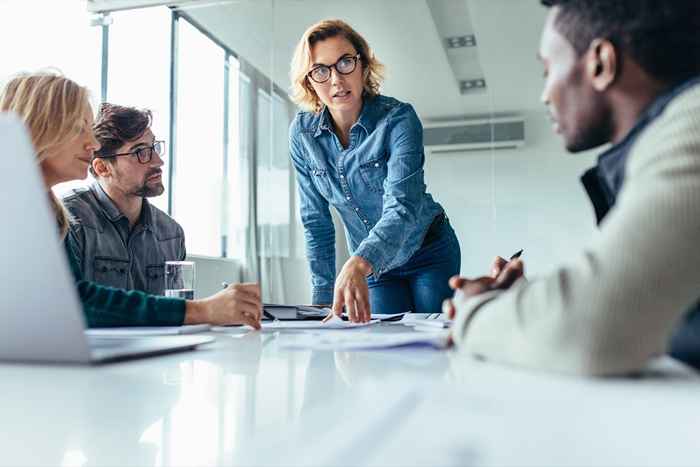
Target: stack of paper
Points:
(294, 312)
(426, 321)
(333, 323)
(303, 325)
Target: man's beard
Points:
(590, 138)
(149, 191)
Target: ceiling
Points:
(404, 37)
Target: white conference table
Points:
(243, 400)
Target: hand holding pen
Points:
(265, 313)
(499, 263)
(236, 304)
(503, 274)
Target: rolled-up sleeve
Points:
(404, 189)
(319, 231)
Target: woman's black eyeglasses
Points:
(144, 154)
(345, 65)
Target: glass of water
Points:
(179, 279)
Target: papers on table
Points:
(302, 312)
(426, 321)
(303, 325)
(294, 312)
(144, 331)
(333, 323)
(387, 317)
(364, 341)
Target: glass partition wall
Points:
(215, 76)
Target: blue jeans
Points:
(421, 284)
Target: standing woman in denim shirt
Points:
(362, 153)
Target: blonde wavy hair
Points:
(52, 108)
(303, 93)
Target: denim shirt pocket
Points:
(374, 173)
(155, 278)
(323, 184)
(111, 271)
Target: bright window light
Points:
(139, 71)
(197, 190)
(41, 35)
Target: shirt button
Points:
(348, 198)
(357, 209)
(365, 221)
(376, 164)
(342, 176)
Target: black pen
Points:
(459, 295)
(266, 313)
(269, 315)
(516, 255)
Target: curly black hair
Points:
(663, 37)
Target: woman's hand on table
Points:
(351, 290)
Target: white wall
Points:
(504, 200)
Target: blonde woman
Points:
(57, 113)
(362, 153)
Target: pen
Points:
(459, 295)
(266, 313)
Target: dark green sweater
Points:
(108, 307)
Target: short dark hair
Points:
(663, 37)
(116, 125)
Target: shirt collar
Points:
(604, 181)
(366, 121)
(368, 115)
(324, 122)
(610, 160)
(112, 211)
(654, 110)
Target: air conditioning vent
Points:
(474, 135)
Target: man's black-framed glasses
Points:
(143, 154)
(345, 65)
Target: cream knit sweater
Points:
(613, 306)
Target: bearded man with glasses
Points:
(121, 239)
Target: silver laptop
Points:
(42, 318)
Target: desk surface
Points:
(243, 400)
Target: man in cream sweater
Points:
(625, 72)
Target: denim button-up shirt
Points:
(376, 184)
(110, 253)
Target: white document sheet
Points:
(144, 331)
(364, 341)
(334, 323)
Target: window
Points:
(273, 175)
(70, 45)
(139, 71)
(239, 157)
(199, 150)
